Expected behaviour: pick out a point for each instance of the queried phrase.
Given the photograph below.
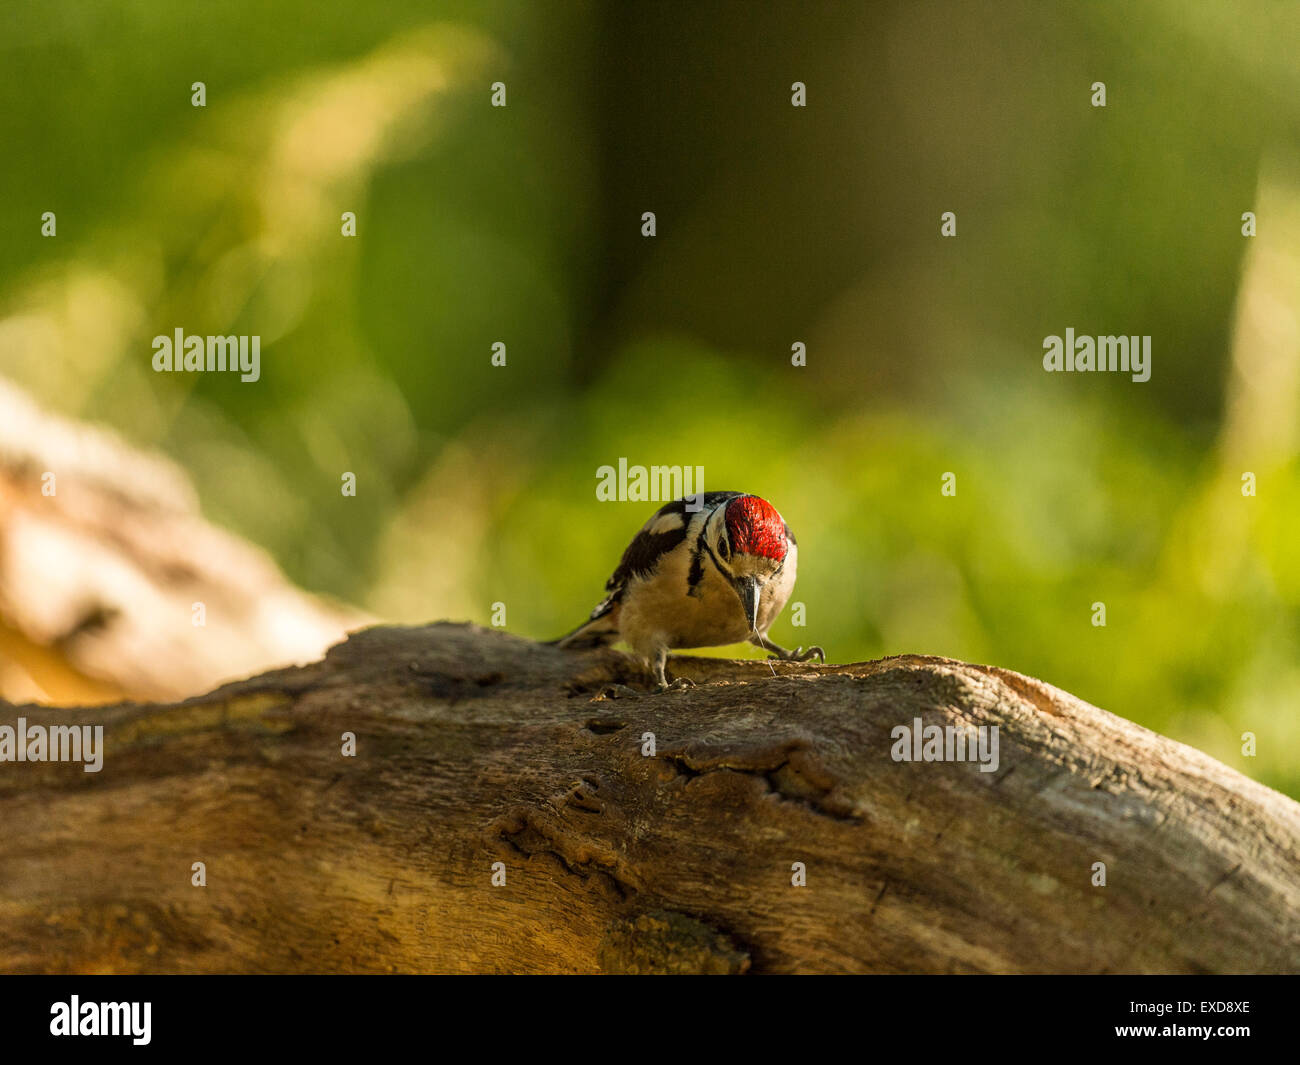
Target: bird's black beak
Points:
(748, 590)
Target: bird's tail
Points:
(599, 631)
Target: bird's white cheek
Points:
(778, 590)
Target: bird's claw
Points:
(800, 655)
(622, 691)
(618, 691)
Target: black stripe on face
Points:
(716, 564)
(696, 573)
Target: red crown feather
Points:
(755, 528)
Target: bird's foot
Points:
(680, 684)
(619, 691)
(800, 655)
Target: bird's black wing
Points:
(646, 549)
(641, 558)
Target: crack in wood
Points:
(807, 783)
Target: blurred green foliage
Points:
(775, 224)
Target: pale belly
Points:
(660, 613)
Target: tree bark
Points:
(474, 748)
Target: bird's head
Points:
(751, 542)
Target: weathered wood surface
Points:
(103, 554)
(475, 747)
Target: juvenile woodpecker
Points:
(714, 575)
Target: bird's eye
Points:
(724, 549)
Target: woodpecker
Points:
(714, 574)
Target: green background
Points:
(776, 224)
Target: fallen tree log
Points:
(475, 748)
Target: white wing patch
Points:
(664, 523)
